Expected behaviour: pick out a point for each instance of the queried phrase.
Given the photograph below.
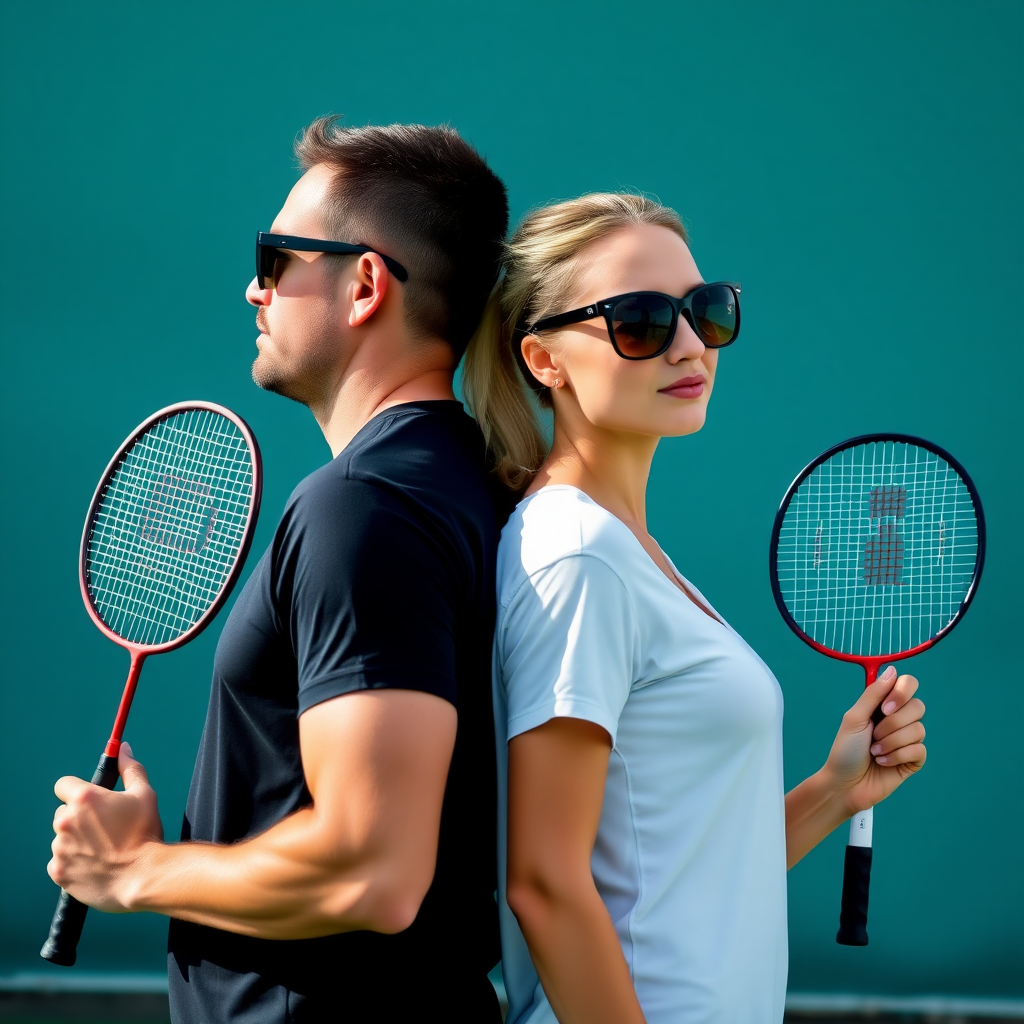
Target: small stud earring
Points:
(558, 382)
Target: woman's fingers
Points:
(913, 753)
(900, 694)
(909, 734)
(859, 715)
(911, 711)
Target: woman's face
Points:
(666, 396)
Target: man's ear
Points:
(368, 289)
(539, 360)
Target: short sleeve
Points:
(566, 646)
(367, 589)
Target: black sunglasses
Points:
(269, 255)
(642, 325)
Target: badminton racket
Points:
(165, 539)
(876, 554)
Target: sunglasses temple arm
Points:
(574, 316)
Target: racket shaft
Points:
(61, 946)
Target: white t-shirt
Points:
(690, 856)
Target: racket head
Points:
(907, 567)
(169, 526)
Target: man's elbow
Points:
(398, 912)
(391, 899)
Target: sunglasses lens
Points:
(643, 324)
(715, 315)
(268, 261)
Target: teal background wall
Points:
(858, 166)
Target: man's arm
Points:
(362, 856)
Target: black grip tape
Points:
(853, 916)
(106, 773)
(61, 946)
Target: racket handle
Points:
(853, 915)
(61, 946)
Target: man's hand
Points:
(867, 761)
(101, 835)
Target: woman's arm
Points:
(556, 779)
(866, 763)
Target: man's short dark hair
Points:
(425, 197)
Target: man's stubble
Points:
(311, 379)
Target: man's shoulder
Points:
(329, 487)
(419, 461)
(419, 448)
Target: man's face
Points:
(300, 347)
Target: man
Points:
(337, 855)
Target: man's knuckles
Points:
(55, 869)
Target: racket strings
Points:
(877, 549)
(170, 526)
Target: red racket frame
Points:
(872, 664)
(853, 919)
(139, 652)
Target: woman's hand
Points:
(868, 761)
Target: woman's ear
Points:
(539, 361)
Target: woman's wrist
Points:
(819, 797)
(835, 794)
(814, 808)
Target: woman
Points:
(647, 830)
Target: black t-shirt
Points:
(380, 574)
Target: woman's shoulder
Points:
(555, 523)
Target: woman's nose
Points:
(686, 344)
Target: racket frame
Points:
(139, 652)
(871, 664)
(857, 867)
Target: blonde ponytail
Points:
(541, 263)
(495, 394)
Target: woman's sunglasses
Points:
(643, 324)
(270, 259)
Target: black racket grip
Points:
(853, 915)
(61, 946)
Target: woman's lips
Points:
(688, 387)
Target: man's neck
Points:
(356, 404)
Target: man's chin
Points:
(265, 377)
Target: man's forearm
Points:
(287, 883)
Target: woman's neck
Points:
(610, 467)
